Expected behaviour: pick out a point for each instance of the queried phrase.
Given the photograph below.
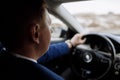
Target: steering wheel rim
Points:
(112, 51)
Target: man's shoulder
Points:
(24, 69)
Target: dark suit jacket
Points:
(55, 50)
(13, 68)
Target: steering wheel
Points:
(93, 63)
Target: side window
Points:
(58, 28)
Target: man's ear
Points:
(35, 32)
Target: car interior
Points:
(97, 59)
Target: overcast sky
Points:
(94, 6)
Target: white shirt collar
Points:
(24, 57)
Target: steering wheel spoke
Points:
(105, 54)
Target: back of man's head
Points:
(16, 16)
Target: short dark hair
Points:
(15, 15)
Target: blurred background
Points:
(93, 15)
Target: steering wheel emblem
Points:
(87, 57)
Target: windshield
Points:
(97, 15)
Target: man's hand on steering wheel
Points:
(75, 40)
